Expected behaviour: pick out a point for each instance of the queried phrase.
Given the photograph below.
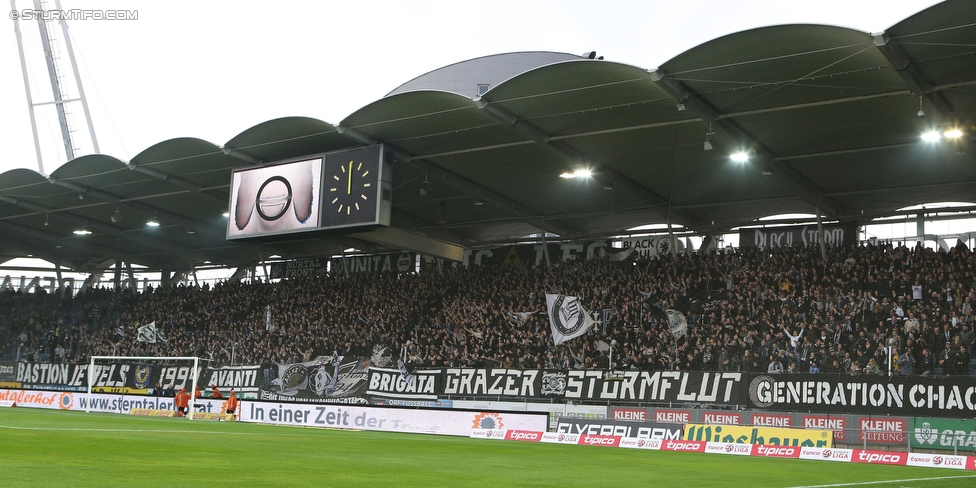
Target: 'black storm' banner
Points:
(800, 236)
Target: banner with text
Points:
(949, 434)
(775, 436)
(897, 395)
(620, 428)
(438, 421)
(400, 262)
(637, 386)
(299, 268)
(390, 383)
(114, 377)
(801, 236)
(98, 402)
(134, 377)
(532, 255)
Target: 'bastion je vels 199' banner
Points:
(133, 377)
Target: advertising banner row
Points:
(442, 422)
(98, 402)
(743, 427)
(735, 449)
(877, 430)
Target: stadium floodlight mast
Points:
(195, 374)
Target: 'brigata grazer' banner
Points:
(897, 395)
(639, 386)
(389, 383)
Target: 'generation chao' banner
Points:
(881, 395)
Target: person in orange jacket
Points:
(196, 392)
(216, 393)
(230, 406)
(182, 402)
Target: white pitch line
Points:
(863, 483)
(162, 431)
(312, 431)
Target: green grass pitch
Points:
(54, 448)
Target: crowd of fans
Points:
(864, 310)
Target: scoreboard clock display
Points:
(337, 190)
(355, 189)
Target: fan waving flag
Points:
(147, 333)
(567, 317)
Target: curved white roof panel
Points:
(466, 77)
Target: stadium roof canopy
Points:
(830, 117)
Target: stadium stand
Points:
(744, 309)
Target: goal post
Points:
(194, 374)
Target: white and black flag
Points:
(147, 333)
(567, 317)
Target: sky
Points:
(212, 69)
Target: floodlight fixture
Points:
(709, 139)
(739, 157)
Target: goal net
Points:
(138, 379)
